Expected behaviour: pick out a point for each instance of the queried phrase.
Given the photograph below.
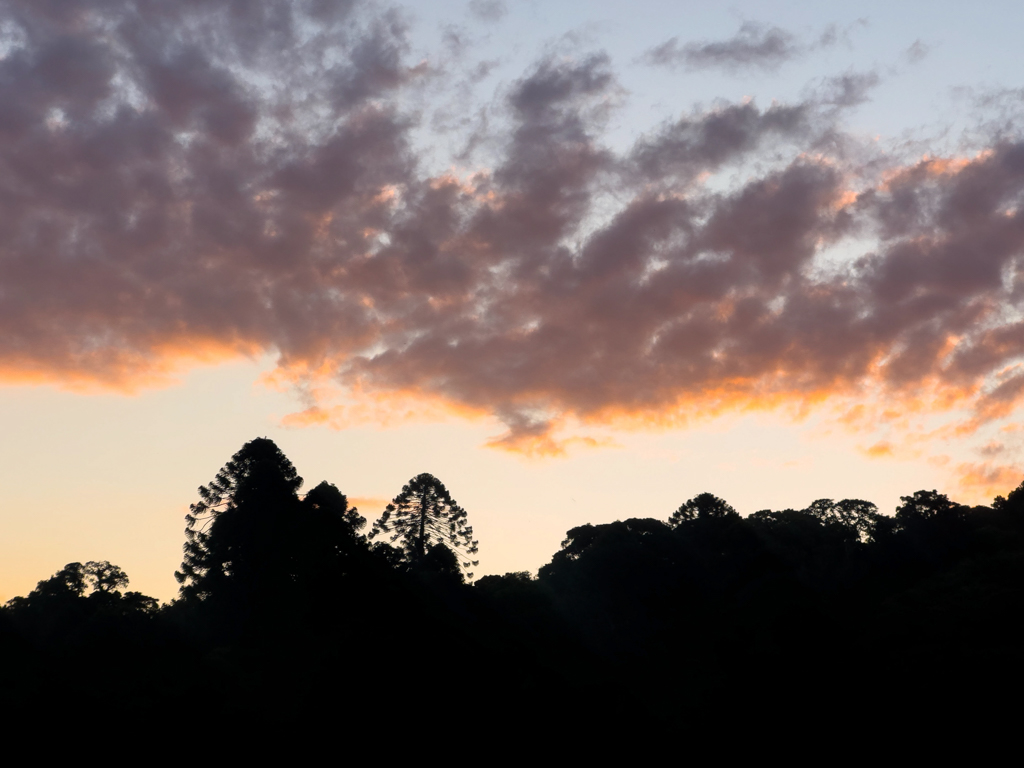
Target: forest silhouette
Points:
(289, 612)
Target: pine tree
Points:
(251, 538)
(234, 534)
(423, 516)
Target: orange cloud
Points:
(373, 408)
(982, 482)
(125, 371)
(879, 450)
(546, 445)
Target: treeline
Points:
(289, 612)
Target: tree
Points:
(1012, 503)
(934, 527)
(105, 577)
(68, 582)
(71, 581)
(424, 515)
(328, 542)
(929, 506)
(859, 517)
(234, 534)
(333, 504)
(63, 597)
(250, 537)
(702, 506)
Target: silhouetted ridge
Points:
(633, 624)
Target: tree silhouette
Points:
(237, 533)
(59, 606)
(424, 515)
(859, 517)
(71, 582)
(253, 541)
(327, 499)
(704, 505)
(929, 506)
(327, 541)
(105, 577)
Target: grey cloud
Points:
(488, 10)
(704, 141)
(166, 192)
(153, 196)
(916, 52)
(375, 65)
(755, 46)
(992, 448)
(552, 86)
(848, 90)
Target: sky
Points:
(582, 261)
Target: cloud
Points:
(754, 46)
(879, 450)
(848, 90)
(488, 10)
(192, 182)
(992, 448)
(916, 52)
(705, 141)
(983, 481)
(152, 152)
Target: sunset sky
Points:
(580, 260)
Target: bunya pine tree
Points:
(424, 516)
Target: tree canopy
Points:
(63, 596)
(704, 505)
